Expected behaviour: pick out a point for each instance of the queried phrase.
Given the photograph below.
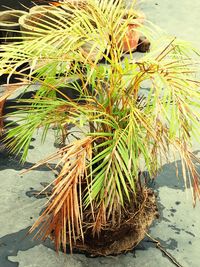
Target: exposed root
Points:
(166, 253)
(114, 240)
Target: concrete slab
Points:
(178, 227)
(179, 18)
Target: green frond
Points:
(132, 113)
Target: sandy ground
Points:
(178, 227)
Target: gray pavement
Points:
(178, 227)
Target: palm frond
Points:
(125, 128)
(64, 214)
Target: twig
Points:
(159, 246)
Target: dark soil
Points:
(124, 237)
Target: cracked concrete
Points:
(178, 227)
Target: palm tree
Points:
(99, 202)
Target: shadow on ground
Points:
(12, 243)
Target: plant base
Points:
(124, 237)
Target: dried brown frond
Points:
(63, 216)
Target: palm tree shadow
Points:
(8, 161)
(168, 178)
(12, 243)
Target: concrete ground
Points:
(178, 227)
